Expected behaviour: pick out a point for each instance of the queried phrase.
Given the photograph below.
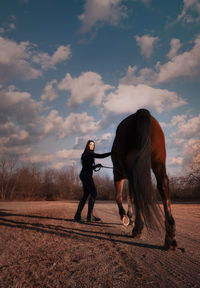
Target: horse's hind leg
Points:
(163, 187)
(118, 189)
(130, 206)
(139, 224)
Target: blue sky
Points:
(72, 70)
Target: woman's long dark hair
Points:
(87, 149)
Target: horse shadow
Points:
(70, 231)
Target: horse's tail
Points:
(140, 176)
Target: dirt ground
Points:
(41, 246)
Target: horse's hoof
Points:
(170, 245)
(125, 220)
(136, 234)
(131, 222)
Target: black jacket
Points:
(88, 163)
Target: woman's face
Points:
(91, 146)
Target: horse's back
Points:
(158, 150)
(125, 143)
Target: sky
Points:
(72, 70)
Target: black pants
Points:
(89, 189)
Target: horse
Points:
(138, 147)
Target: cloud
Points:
(49, 92)
(46, 61)
(175, 45)
(53, 160)
(89, 86)
(15, 152)
(18, 105)
(190, 12)
(129, 98)
(15, 140)
(183, 141)
(13, 135)
(191, 154)
(103, 141)
(146, 43)
(80, 123)
(74, 123)
(146, 76)
(175, 160)
(9, 25)
(80, 141)
(14, 61)
(101, 11)
(68, 154)
(186, 128)
(19, 114)
(182, 65)
(146, 2)
(185, 64)
(39, 159)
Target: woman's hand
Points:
(98, 166)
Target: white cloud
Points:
(38, 158)
(46, 61)
(182, 65)
(19, 105)
(192, 155)
(14, 60)
(68, 154)
(89, 86)
(175, 160)
(80, 123)
(53, 159)
(175, 45)
(184, 140)
(185, 64)
(190, 12)
(186, 128)
(80, 141)
(146, 76)
(9, 26)
(146, 43)
(12, 135)
(129, 98)
(146, 2)
(50, 124)
(14, 151)
(101, 142)
(54, 124)
(101, 11)
(49, 92)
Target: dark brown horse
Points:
(139, 146)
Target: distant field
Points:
(42, 247)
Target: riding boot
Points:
(90, 208)
(77, 216)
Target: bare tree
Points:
(194, 166)
(7, 179)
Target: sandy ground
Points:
(40, 246)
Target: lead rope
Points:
(99, 168)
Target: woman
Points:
(89, 189)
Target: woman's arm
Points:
(104, 155)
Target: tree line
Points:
(32, 183)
